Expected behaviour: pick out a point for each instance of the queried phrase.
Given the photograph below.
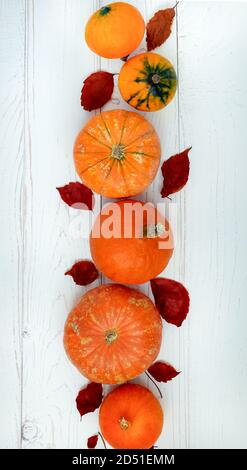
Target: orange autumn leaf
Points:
(159, 28)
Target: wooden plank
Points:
(57, 61)
(12, 46)
(213, 106)
(167, 125)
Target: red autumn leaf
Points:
(97, 90)
(175, 171)
(83, 272)
(92, 441)
(89, 398)
(159, 28)
(171, 299)
(77, 195)
(162, 372)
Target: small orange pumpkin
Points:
(115, 30)
(147, 81)
(117, 154)
(113, 334)
(131, 417)
(129, 244)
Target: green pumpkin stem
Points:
(104, 10)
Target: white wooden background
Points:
(43, 61)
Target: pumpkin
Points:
(113, 334)
(115, 30)
(131, 417)
(131, 242)
(117, 154)
(147, 81)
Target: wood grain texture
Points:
(213, 106)
(44, 60)
(12, 44)
(55, 68)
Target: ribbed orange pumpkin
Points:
(131, 417)
(115, 30)
(117, 154)
(113, 334)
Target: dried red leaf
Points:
(89, 398)
(171, 299)
(159, 28)
(92, 441)
(162, 371)
(175, 171)
(97, 90)
(83, 272)
(77, 195)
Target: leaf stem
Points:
(149, 376)
(103, 440)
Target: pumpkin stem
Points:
(149, 376)
(117, 152)
(156, 78)
(111, 336)
(124, 424)
(124, 59)
(104, 10)
(153, 230)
